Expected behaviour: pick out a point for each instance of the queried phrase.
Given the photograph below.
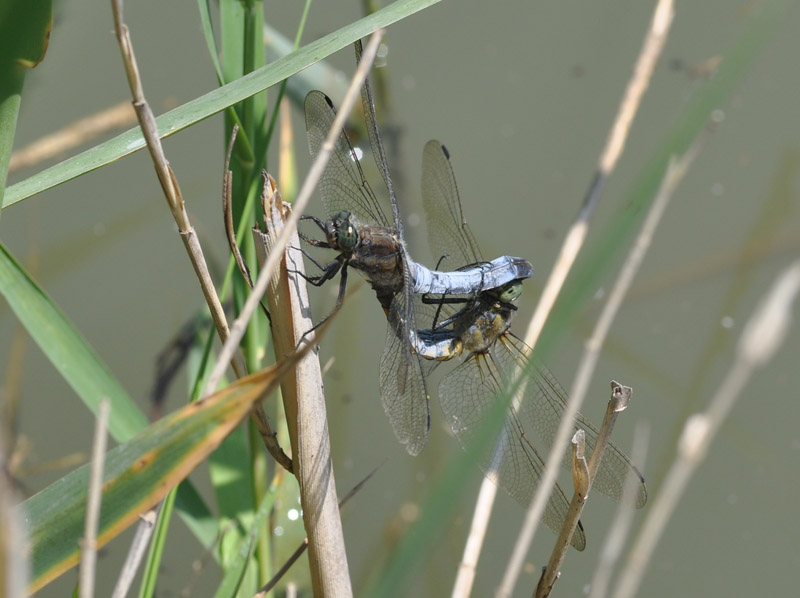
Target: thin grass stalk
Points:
(623, 520)
(94, 498)
(136, 551)
(287, 167)
(651, 50)
(243, 53)
(582, 475)
(675, 172)
(244, 145)
(259, 416)
(158, 527)
(14, 563)
(761, 338)
(168, 181)
(472, 549)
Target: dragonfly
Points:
(492, 355)
(357, 227)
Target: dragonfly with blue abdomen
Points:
(368, 241)
(478, 331)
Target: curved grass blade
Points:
(138, 474)
(214, 101)
(88, 376)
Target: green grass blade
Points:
(215, 101)
(237, 568)
(204, 8)
(138, 474)
(230, 467)
(157, 545)
(196, 515)
(67, 350)
(88, 376)
(24, 34)
(319, 75)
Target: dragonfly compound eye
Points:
(510, 291)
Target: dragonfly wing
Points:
(403, 388)
(541, 409)
(378, 153)
(448, 232)
(342, 185)
(468, 396)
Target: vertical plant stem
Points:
(320, 513)
(94, 499)
(169, 183)
(583, 475)
(651, 50)
(621, 525)
(304, 403)
(580, 386)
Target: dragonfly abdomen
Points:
(481, 277)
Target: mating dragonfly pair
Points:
(467, 309)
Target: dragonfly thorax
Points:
(488, 320)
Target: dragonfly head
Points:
(341, 231)
(508, 292)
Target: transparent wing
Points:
(467, 396)
(541, 409)
(342, 185)
(448, 232)
(376, 144)
(403, 389)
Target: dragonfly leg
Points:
(312, 259)
(315, 220)
(339, 301)
(342, 286)
(329, 270)
(441, 259)
(440, 301)
(314, 242)
(430, 299)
